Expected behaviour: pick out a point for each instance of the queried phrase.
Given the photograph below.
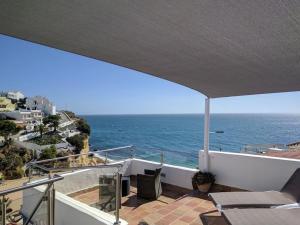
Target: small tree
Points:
(52, 120)
(83, 126)
(8, 128)
(77, 142)
(41, 129)
(12, 165)
(48, 153)
(24, 153)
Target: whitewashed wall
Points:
(67, 210)
(250, 172)
(29, 136)
(176, 175)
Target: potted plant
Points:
(203, 181)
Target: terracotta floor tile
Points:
(192, 203)
(197, 223)
(200, 209)
(187, 219)
(176, 206)
(171, 217)
(163, 222)
(164, 211)
(179, 222)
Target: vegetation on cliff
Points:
(77, 141)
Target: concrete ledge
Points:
(250, 172)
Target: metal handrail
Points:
(58, 158)
(114, 164)
(115, 149)
(111, 165)
(31, 185)
(49, 170)
(50, 199)
(81, 154)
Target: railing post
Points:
(206, 134)
(118, 183)
(53, 205)
(105, 157)
(131, 153)
(161, 158)
(49, 207)
(3, 208)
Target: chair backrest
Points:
(155, 172)
(292, 186)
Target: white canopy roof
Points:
(220, 48)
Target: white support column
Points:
(206, 134)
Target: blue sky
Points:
(88, 86)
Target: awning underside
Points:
(220, 48)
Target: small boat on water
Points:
(219, 131)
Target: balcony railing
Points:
(262, 148)
(111, 180)
(129, 152)
(18, 215)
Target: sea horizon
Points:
(153, 114)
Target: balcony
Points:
(80, 192)
(215, 47)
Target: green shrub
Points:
(77, 142)
(52, 120)
(8, 128)
(83, 126)
(47, 139)
(11, 161)
(62, 154)
(25, 154)
(48, 153)
(14, 174)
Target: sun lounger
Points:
(289, 194)
(262, 216)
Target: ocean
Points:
(180, 137)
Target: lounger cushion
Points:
(292, 186)
(262, 216)
(251, 199)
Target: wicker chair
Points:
(149, 185)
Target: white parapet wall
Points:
(249, 172)
(68, 211)
(175, 175)
(29, 136)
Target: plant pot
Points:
(204, 188)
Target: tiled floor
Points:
(174, 206)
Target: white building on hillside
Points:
(34, 117)
(15, 95)
(41, 103)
